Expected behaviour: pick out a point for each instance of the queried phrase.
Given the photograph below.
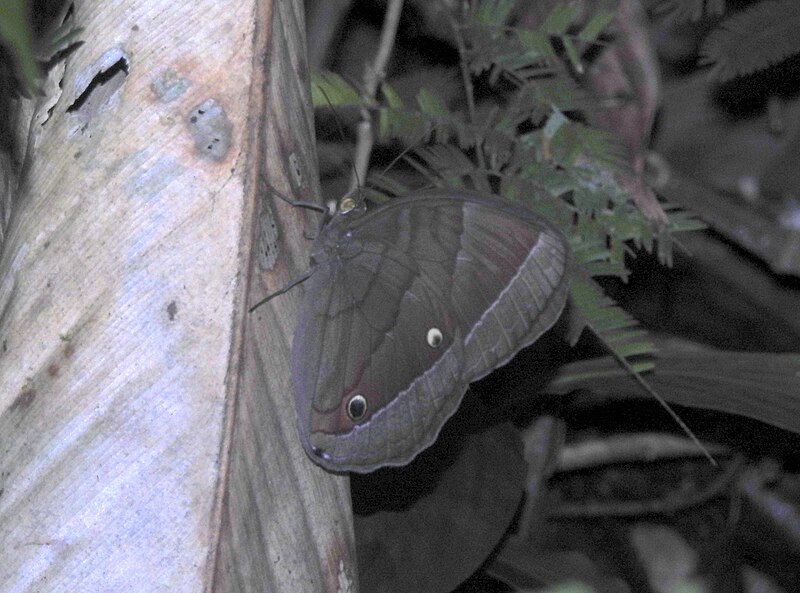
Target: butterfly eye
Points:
(434, 337)
(357, 407)
(346, 205)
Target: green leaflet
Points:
(338, 91)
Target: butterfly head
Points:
(350, 206)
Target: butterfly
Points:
(405, 305)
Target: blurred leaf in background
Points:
(24, 53)
(17, 39)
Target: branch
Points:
(374, 75)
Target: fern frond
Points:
(756, 38)
(557, 23)
(618, 331)
(432, 120)
(594, 256)
(531, 191)
(578, 140)
(528, 53)
(681, 220)
(562, 91)
(447, 166)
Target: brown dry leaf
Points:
(430, 525)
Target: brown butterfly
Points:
(405, 305)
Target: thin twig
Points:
(629, 448)
(373, 76)
(668, 504)
(468, 89)
(323, 20)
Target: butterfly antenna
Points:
(286, 288)
(403, 153)
(421, 170)
(341, 132)
(296, 204)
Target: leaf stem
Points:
(374, 75)
(468, 89)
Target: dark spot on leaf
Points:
(172, 310)
(52, 370)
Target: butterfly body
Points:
(407, 304)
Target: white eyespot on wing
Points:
(434, 337)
